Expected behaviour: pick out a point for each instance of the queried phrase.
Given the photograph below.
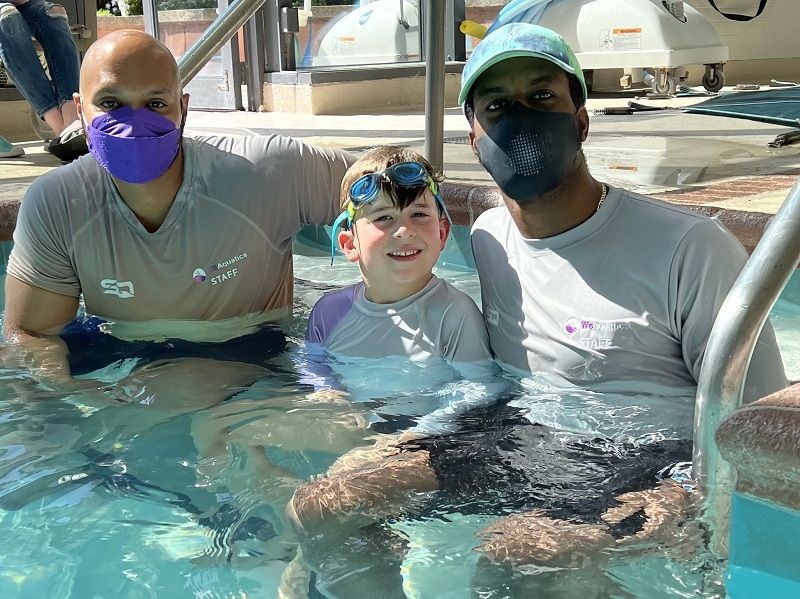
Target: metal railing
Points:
(218, 33)
(728, 353)
(434, 25)
(434, 22)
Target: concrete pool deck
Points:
(721, 164)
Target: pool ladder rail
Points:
(728, 353)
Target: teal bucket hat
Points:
(519, 39)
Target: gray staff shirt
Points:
(629, 295)
(224, 250)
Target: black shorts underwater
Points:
(500, 463)
(91, 349)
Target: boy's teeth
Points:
(404, 253)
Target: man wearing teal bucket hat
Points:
(579, 279)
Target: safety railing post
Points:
(728, 353)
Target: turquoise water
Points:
(112, 504)
(764, 550)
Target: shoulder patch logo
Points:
(123, 289)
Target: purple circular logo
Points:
(571, 325)
(199, 275)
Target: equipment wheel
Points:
(714, 78)
(664, 83)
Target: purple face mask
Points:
(135, 146)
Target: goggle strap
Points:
(339, 220)
(444, 209)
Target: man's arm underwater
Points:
(33, 319)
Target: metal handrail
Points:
(434, 24)
(218, 33)
(728, 353)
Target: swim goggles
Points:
(365, 189)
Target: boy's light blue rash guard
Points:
(439, 321)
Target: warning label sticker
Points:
(620, 40)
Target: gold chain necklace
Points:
(602, 196)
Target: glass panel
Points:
(358, 33)
(181, 22)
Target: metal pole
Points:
(434, 24)
(273, 36)
(456, 41)
(729, 350)
(254, 48)
(213, 38)
(287, 29)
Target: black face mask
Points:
(529, 152)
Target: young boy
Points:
(489, 460)
(395, 226)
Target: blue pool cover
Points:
(775, 106)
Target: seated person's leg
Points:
(652, 515)
(503, 466)
(364, 565)
(53, 34)
(50, 26)
(571, 558)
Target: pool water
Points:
(108, 504)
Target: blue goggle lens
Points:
(402, 174)
(365, 189)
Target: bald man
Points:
(154, 226)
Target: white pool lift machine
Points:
(384, 31)
(650, 40)
(662, 36)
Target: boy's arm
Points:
(326, 316)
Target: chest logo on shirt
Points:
(572, 325)
(123, 289)
(200, 274)
(594, 334)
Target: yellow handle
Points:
(472, 28)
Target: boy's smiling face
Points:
(395, 249)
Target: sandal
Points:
(69, 145)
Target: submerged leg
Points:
(353, 498)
